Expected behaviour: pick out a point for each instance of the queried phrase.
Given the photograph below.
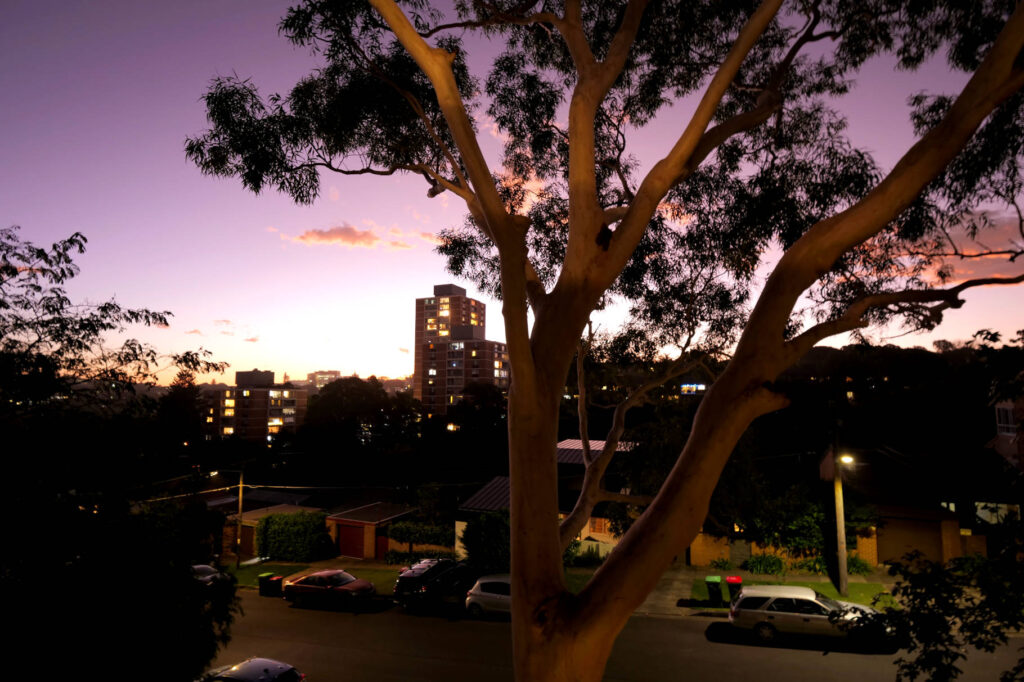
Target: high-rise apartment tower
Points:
(451, 351)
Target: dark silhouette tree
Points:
(81, 564)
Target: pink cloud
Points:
(222, 322)
(345, 235)
(194, 331)
(227, 333)
(252, 339)
(399, 245)
(403, 350)
(429, 237)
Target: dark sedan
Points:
(334, 588)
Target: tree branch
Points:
(819, 248)
(591, 492)
(665, 173)
(853, 317)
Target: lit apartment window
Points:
(444, 300)
(275, 421)
(443, 332)
(497, 364)
(229, 403)
(458, 345)
(445, 313)
(288, 410)
(431, 327)
(229, 412)
(228, 430)
(273, 429)
(472, 354)
(275, 394)
(431, 320)
(245, 394)
(209, 420)
(432, 372)
(227, 394)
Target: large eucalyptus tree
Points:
(759, 159)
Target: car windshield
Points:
(832, 604)
(342, 578)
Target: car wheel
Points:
(765, 633)
(475, 610)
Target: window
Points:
(245, 394)
(458, 345)
(229, 403)
(228, 430)
(753, 602)
(275, 421)
(209, 420)
(287, 394)
(1005, 424)
(228, 412)
(275, 394)
(227, 394)
(433, 372)
(598, 525)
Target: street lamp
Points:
(841, 521)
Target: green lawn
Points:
(860, 593)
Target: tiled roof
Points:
(494, 496)
(377, 512)
(570, 451)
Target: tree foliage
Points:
(971, 602)
(487, 541)
(82, 564)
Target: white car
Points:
(769, 610)
(490, 594)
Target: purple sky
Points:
(97, 100)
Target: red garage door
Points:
(350, 541)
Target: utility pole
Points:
(238, 527)
(840, 521)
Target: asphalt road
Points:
(386, 643)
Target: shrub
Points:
(765, 564)
(301, 536)
(396, 558)
(721, 564)
(588, 558)
(415, 533)
(487, 540)
(814, 564)
(855, 565)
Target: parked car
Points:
(433, 583)
(335, 588)
(207, 574)
(770, 610)
(490, 594)
(254, 670)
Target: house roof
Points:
(570, 450)
(494, 496)
(373, 513)
(253, 516)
